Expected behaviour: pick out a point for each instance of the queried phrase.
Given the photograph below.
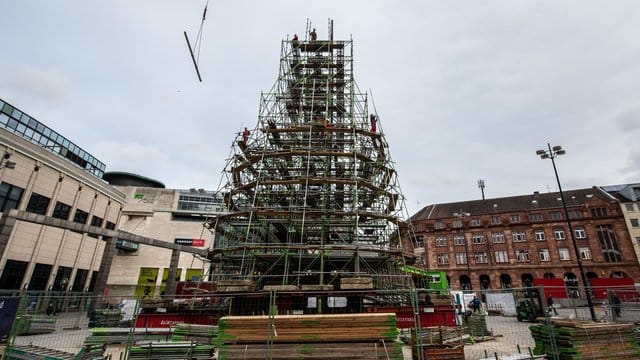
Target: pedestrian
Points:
(550, 305)
(476, 304)
(51, 309)
(313, 35)
(373, 120)
(245, 135)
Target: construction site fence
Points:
(509, 321)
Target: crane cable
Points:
(198, 43)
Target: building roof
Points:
(120, 178)
(535, 201)
(624, 192)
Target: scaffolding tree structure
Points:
(313, 199)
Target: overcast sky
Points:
(465, 90)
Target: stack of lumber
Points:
(202, 334)
(307, 328)
(156, 303)
(170, 351)
(91, 352)
(36, 352)
(105, 318)
(586, 340)
(340, 336)
(235, 286)
(439, 335)
(35, 324)
(100, 336)
(333, 350)
(356, 283)
(477, 325)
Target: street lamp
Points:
(552, 153)
(460, 216)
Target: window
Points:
(475, 222)
(579, 232)
(443, 259)
(96, 221)
(40, 277)
(585, 253)
(599, 212)
(80, 280)
(535, 217)
(111, 226)
(495, 220)
(13, 274)
(461, 258)
(502, 256)
(439, 225)
(544, 255)
(9, 196)
(563, 253)
(515, 219)
(80, 216)
(497, 238)
(441, 241)
(540, 235)
(575, 214)
(558, 233)
(522, 255)
(457, 223)
(634, 223)
(61, 211)
(608, 243)
(518, 236)
(478, 238)
(630, 207)
(458, 240)
(481, 258)
(38, 204)
(638, 240)
(555, 215)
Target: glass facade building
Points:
(23, 125)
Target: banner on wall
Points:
(147, 282)
(165, 276)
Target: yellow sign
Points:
(165, 276)
(147, 282)
(194, 275)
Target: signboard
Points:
(194, 275)
(189, 242)
(165, 276)
(147, 282)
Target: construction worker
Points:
(373, 119)
(245, 135)
(313, 35)
(295, 37)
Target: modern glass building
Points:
(25, 126)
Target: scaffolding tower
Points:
(312, 196)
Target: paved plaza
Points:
(511, 336)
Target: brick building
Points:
(512, 240)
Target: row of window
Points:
(38, 204)
(502, 256)
(31, 129)
(517, 236)
(14, 273)
(533, 217)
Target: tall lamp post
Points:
(461, 215)
(552, 153)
